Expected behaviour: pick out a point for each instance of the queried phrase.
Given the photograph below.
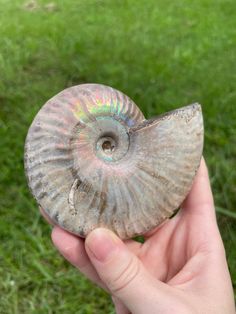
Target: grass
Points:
(163, 54)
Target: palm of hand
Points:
(169, 251)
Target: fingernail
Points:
(102, 243)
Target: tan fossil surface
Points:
(93, 160)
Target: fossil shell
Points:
(92, 160)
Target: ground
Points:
(163, 54)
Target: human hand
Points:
(181, 267)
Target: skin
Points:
(181, 268)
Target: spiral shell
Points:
(92, 160)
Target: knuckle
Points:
(126, 276)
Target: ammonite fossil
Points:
(92, 159)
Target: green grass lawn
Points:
(163, 54)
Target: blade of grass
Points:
(226, 212)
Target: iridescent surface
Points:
(92, 160)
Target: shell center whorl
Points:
(113, 141)
(106, 147)
(107, 144)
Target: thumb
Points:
(123, 273)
